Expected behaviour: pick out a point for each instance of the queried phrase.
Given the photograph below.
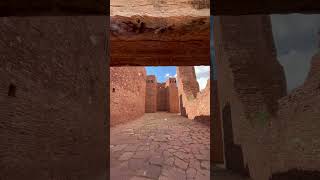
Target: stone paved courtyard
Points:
(160, 146)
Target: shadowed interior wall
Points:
(127, 93)
(218, 155)
(53, 98)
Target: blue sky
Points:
(164, 72)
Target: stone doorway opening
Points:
(160, 144)
(149, 139)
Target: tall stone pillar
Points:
(188, 86)
(173, 97)
(151, 94)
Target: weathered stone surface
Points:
(173, 96)
(127, 93)
(191, 172)
(151, 94)
(160, 163)
(126, 156)
(53, 84)
(161, 97)
(180, 163)
(162, 8)
(170, 40)
(278, 134)
(193, 103)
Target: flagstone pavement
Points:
(160, 146)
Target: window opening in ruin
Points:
(113, 90)
(12, 90)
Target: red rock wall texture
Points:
(53, 98)
(193, 103)
(171, 40)
(162, 97)
(151, 94)
(127, 93)
(173, 96)
(274, 130)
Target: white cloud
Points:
(202, 74)
(170, 76)
(296, 40)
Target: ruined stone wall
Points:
(151, 94)
(173, 96)
(127, 93)
(162, 97)
(296, 129)
(53, 95)
(271, 132)
(193, 103)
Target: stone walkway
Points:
(160, 146)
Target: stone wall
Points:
(218, 155)
(151, 94)
(53, 93)
(193, 103)
(162, 97)
(173, 96)
(127, 93)
(274, 131)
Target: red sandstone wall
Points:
(285, 139)
(193, 103)
(127, 93)
(53, 98)
(173, 95)
(151, 94)
(162, 97)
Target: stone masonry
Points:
(193, 103)
(127, 93)
(275, 131)
(173, 98)
(162, 96)
(151, 94)
(53, 109)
